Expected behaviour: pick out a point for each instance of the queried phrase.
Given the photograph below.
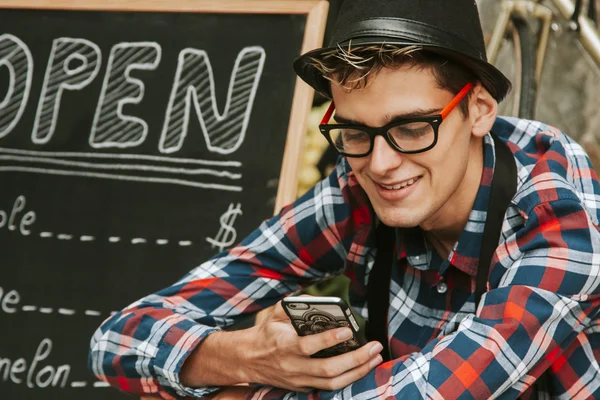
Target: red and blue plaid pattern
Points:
(540, 314)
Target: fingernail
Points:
(344, 334)
(376, 362)
(375, 349)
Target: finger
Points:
(232, 393)
(348, 377)
(335, 366)
(292, 388)
(309, 345)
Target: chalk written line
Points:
(16, 219)
(112, 239)
(114, 170)
(48, 376)
(121, 157)
(181, 182)
(35, 373)
(13, 220)
(84, 384)
(10, 301)
(63, 311)
(121, 167)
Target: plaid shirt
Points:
(540, 313)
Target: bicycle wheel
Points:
(516, 60)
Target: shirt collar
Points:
(413, 246)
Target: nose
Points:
(384, 158)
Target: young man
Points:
(415, 102)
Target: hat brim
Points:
(491, 78)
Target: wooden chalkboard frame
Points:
(316, 13)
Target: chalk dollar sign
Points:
(227, 234)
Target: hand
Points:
(279, 357)
(226, 393)
(233, 393)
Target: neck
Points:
(442, 242)
(445, 229)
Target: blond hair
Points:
(351, 67)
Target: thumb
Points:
(278, 313)
(273, 313)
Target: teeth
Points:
(400, 186)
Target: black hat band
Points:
(406, 30)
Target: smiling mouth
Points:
(400, 185)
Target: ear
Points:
(483, 109)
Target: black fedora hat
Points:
(450, 28)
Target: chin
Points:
(399, 220)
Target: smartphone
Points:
(311, 315)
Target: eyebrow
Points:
(392, 118)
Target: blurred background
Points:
(568, 98)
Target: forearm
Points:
(140, 350)
(219, 360)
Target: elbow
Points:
(100, 355)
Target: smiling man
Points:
(471, 242)
(435, 188)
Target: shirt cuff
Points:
(271, 393)
(173, 349)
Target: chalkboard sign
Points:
(137, 139)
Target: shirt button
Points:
(442, 287)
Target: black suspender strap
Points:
(378, 291)
(504, 186)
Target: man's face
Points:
(430, 189)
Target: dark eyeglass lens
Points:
(412, 136)
(350, 141)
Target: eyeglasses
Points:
(410, 135)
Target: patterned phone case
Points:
(311, 315)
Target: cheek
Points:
(359, 169)
(358, 165)
(448, 175)
(455, 131)
(452, 149)
(446, 167)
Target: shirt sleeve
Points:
(541, 298)
(141, 349)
